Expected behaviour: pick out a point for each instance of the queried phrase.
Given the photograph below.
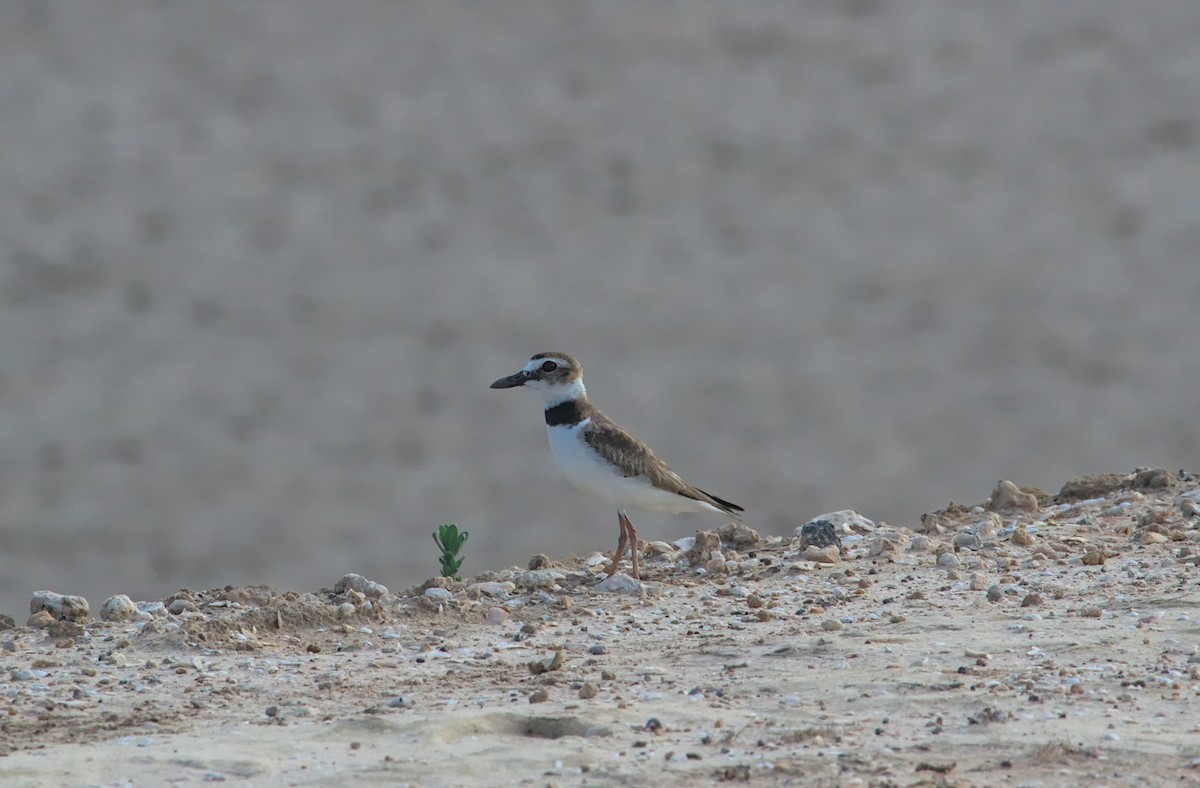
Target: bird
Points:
(597, 456)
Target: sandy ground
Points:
(260, 261)
(1051, 642)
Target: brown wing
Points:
(635, 459)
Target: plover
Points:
(597, 456)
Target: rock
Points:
(588, 691)
(948, 560)
(40, 620)
(1152, 478)
(1007, 495)
(1022, 537)
(1152, 537)
(821, 555)
(64, 629)
(844, 521)
(118, 608)
(818, 533)
(362, 585)
(705, 544)
(978, 581)
(739, 535)
(920, 544)
(885, 545)
(554, 662)
(60, 606)
(538, 578)
(967, 539)
(181, 606)
(661, 548)
(438, 594)
(620, 583)
(995, 594)
(831, 625)
(492, 588)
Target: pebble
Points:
(437, 594)
(1007, 495)
(968, 539)
(920, 544)
(995, 594)
(71, 608)
(118, 608)
(818, 533)
(180, 606)
(620, 583)
(739, 535)
(1022, 537)
(493, 588)
(538, 578)
(40, 620)
(948, 560)
(831, 625)
(821, 555)
(362, 585)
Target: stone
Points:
(821, 555)
(705, 544)
(118, 608)
(818, 533)
(492, 588)
(60, 606)
(948, 560)
(181, 606)
(995, 594)
(1007, 495)
(40, 620)
(620, 583)
(362, 585)
(967, 539)
(438, 594)
(978, 581)
(920, 544)
(739, 535)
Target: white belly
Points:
(586, 471)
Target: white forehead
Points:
(536, 363)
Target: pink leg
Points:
(627, 527)
(622, 543)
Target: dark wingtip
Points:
(729, 508)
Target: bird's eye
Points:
(549, 366)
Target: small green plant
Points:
(450, 541)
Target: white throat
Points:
(557, 394)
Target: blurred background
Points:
(260, 261)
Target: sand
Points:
(1051, 645)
